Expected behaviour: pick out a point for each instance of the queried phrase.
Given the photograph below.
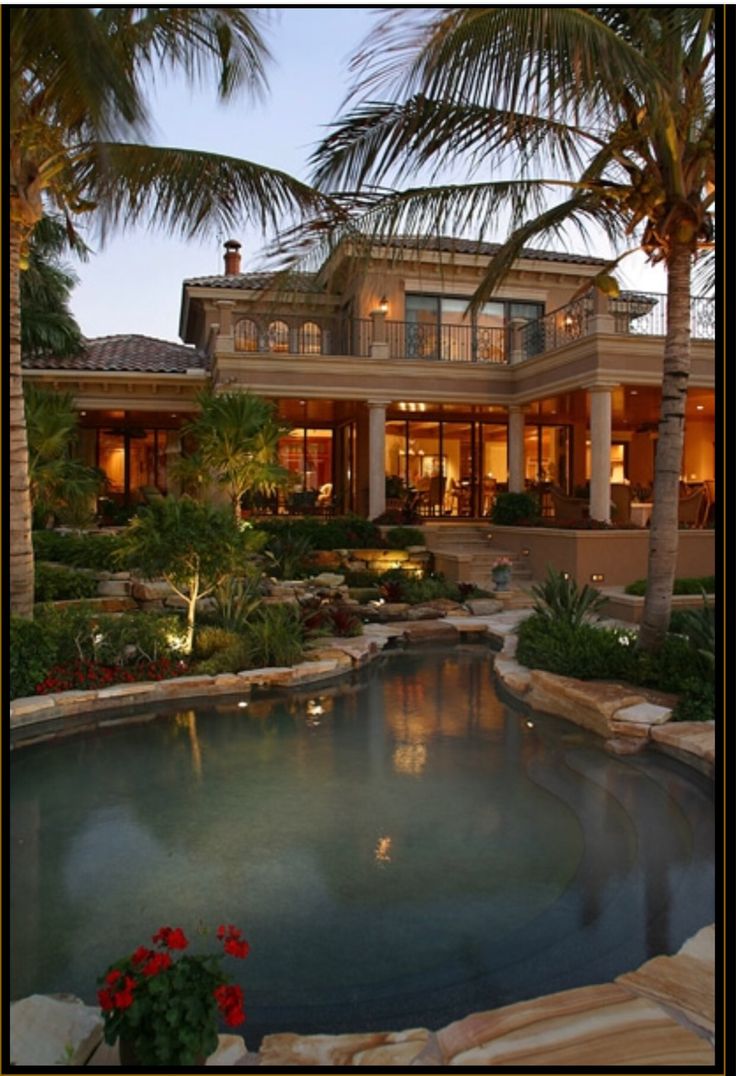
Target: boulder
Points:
(484, 606)
(370, 1048)
(431, 631)
(53, 1031)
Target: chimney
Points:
(232, 257)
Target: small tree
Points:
(193, 546)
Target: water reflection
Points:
(527, 860)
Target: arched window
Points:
(246, 335)
(278, 336)
(310, 339)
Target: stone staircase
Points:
(462, 553)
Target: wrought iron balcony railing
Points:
(633, 313)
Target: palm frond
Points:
(186, 190)
(394, 140)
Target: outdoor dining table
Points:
(641, 512)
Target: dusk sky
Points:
(133, 284)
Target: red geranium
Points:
(146, 992)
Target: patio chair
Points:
(569, 509)
(436, 494)
(690, 509)
(150, 493)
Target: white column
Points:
(600, 453)
(516, 449)
(376, 459)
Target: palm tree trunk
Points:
(664, 537)
(19, 509)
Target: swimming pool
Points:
(399, 850)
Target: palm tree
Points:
(237, 437)
(47, 325)
(59, 484)
(616, 102)
(77, 122)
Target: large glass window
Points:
(307, 453)
(440, 327)
(131, 459)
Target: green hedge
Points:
(705, 583)
(32, 653)
(60, 584)
(402, 537)
(591, 653)
(96, 550)
(341, 532)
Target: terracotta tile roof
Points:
(448, 244)
(307, 282)
(129, 352)
(298, 282)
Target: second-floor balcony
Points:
(632, 313)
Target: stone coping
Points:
(662, 1013)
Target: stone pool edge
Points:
(661, 1013)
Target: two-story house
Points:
(382, 373)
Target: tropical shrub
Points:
(274, 636)
(31, 653)
(697, 702)
(560, 598)
(60, 584)
(236, 598)
(401, 537)
(581, 651)
(699, 626)
(288, 554)
(515, 509)
(705, 583)
(362, 579)
(332, 618)
(588, 652)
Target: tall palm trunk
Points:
(664, 537)
(21, 548)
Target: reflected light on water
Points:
(410, 758)
(382, 852)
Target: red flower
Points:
(124, 998)
(177, 939)
(237, 948)
(141, 955)
(112, 976)
(105, 999)
(158, 962)
(230, 1003)
(229, 932)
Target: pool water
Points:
(399, 850)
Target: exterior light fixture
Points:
(698, 407)
(568, 321)
(530, 724)
(565, 575)
(383, 304)
(525, 552)
(597, 577)
(242, 704)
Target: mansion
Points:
(391, 388)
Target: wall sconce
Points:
(597, 577)
(568, 321)
(383, 304)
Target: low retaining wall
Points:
(620, 556)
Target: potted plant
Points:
(165, 1011)
(501, 573)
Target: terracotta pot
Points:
(129, 1058)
